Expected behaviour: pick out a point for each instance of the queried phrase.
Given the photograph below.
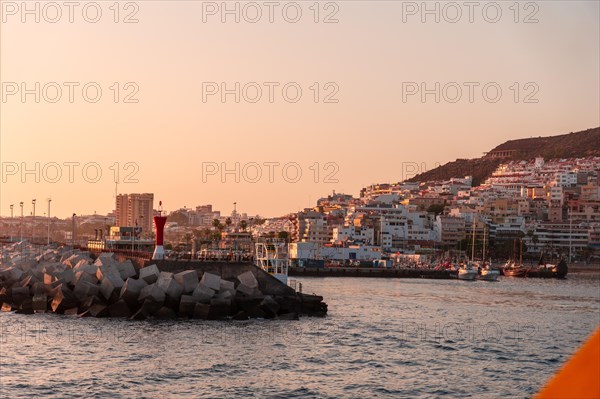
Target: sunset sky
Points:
(374, 51)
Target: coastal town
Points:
(549, 207)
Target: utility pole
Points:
(21, 228)
(11, 222)
(33, 224)
(73, 232)
(48, 241)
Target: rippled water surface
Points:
(382, 338)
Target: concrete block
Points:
(165, 313)
(241, 315)
(39, 288)
(13, 273)
(66, 275)
(19, 294)
(269, 306)
(139, 315)
(107, 270)
(91, 269)
(225, 294)
(201, 311)
(63, 300)
(83, 276)
(170, 287)
(131, 290)
(150, 307)
(84, 289)
(72, 312)
(211, 281)
(203, 294)
(150, 274)
(152, 292)
(105, 259)
(256, 313)
(119, 309)
(91, 301)
(26, 280)
(98, 310)
(126, 269)
(26, 307)
(248, 279)
(188, 280)
(187, 305)
(165, 275)
(225, 285)
(111, 285)
(40, 303)
(247, 291)
(81, 265)
(219, 308)
(48, 278)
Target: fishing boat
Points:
(512, 268)
(467, 272)
(488, 274)
(485, 271)
(550, 270)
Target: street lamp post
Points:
(49, 200)
(12, 221)
(33, 224)
(73, 232)
(21, 227)
(133, 238)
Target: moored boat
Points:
(548, 270)
(488, 274)
(467, 272)
(511, 269)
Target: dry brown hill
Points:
(572, 145)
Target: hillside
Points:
(572, 145)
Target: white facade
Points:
(312, 250)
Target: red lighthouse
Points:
(159, 224)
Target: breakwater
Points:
(73, 282)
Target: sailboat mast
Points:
(483, 251)
(521, 253)
(473, 241)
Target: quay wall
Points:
(370, 272)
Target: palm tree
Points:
(243, 225)
(283, 235)
(216, 223)
(228, 222)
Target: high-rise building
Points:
(135, 208)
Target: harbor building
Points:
(135, 210)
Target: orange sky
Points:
(365, 135)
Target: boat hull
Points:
(514, 272)
(489, 275)
(467, 275)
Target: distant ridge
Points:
(572, 145)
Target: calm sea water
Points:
(382, 338)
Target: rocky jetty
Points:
(74, 282)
